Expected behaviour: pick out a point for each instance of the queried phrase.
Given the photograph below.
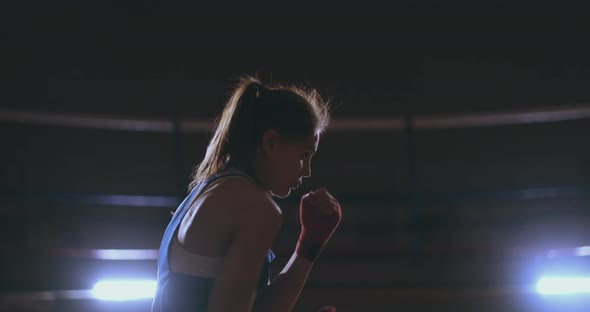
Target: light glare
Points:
(563, 285)
(122, 290)
(583, 251)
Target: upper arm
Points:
(256, 229)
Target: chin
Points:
(282, 194)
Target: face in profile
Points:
(291, 163)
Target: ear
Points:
(270, 141)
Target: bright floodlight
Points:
(121, 290)
(582, 251)
(563, 285)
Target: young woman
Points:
(215, 254)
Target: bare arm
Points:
(320, 214)
(256, 230)
(285, 288)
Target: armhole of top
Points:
(216, 180)
(212, 182)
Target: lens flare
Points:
(563, 285)
(123, 290)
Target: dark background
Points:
(452, 219)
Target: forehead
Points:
(311, 143)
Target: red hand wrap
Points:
(319, 218)
(328, 308)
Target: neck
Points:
(258, 174)
(252, 173)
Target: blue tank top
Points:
(177, 292)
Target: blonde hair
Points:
(294, 112)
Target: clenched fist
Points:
(320, 214)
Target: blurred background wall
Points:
(459, 147)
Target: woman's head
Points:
(261, 128)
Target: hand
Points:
(320, 214)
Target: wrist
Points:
(301, 260)
(309, 250)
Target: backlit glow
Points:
(122, 290)
(563, 285)
(582, 251)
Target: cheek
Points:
(289, 168)
(294, 170)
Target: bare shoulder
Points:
(245, 200)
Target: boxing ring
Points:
(552, 260)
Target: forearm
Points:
(285, 288)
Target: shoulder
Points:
(244, 199)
